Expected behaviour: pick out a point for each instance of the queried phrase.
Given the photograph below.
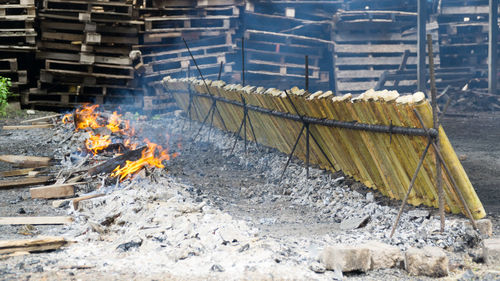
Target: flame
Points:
(114, 122)
(66, 118)
(87, 117)
(148, 159)
(96, 143)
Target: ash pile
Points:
(155, 199)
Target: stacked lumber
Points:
(209, 29)
(381, 161)
(278, 35)
(17, 41)
(368, 43)
(463, 32)
(85, 46)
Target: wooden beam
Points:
(35, 220)
(31, 245)
(5, 184)
(26, 161)
(421, 40)
(53, 191)
(26, 127)
(492, 47)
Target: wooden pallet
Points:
(63, 100)
(306, 10)
(108, 9)
(368, 43)
(189, 23)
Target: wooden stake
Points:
(53, 191)
(435, 121)
(15, 173)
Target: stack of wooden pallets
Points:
(17, 41)
(368, 43)
(279, 35)
(85, 46)
(463, 35)
(209, 29)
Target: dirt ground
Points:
(205, 171)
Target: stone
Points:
(429, 261)
(317, 267)
(353, 223)
(485, 227)
(383, 255)
(491, 251)
(134, 243)
(346, 258)
(30, 112)
(370, 197)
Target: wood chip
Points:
(31, 245)
(35, 220)
(23, 182)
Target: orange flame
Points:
(148, 158)
(87, 117)
(66, 118)
(96, 143)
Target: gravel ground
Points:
(212, 215)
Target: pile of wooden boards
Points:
(208, 28)
(368, 43)
(85, 47)
(381, 161)
(17, 41)
(277, 38)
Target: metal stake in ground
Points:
(213, 111)
(411, 186)
(305, 125)
(214, 104)
(447, 170)
(435, 121)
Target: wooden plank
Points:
(18, 172)
(23, 182)
(35, 220)
(26, 127)
(32, 245)
(53, 191)
(27, 161)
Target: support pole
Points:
(435, 121)
(421, 80)
(243, 60)
(493, 47)
(307, 73)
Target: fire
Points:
(96, 143)
(88, 118)
(148, 158)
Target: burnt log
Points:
(111, 164)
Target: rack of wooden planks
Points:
(278, 36)
(208, 27)
(368, 43)
(17, 41)
(85, 47)
(384, 160)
